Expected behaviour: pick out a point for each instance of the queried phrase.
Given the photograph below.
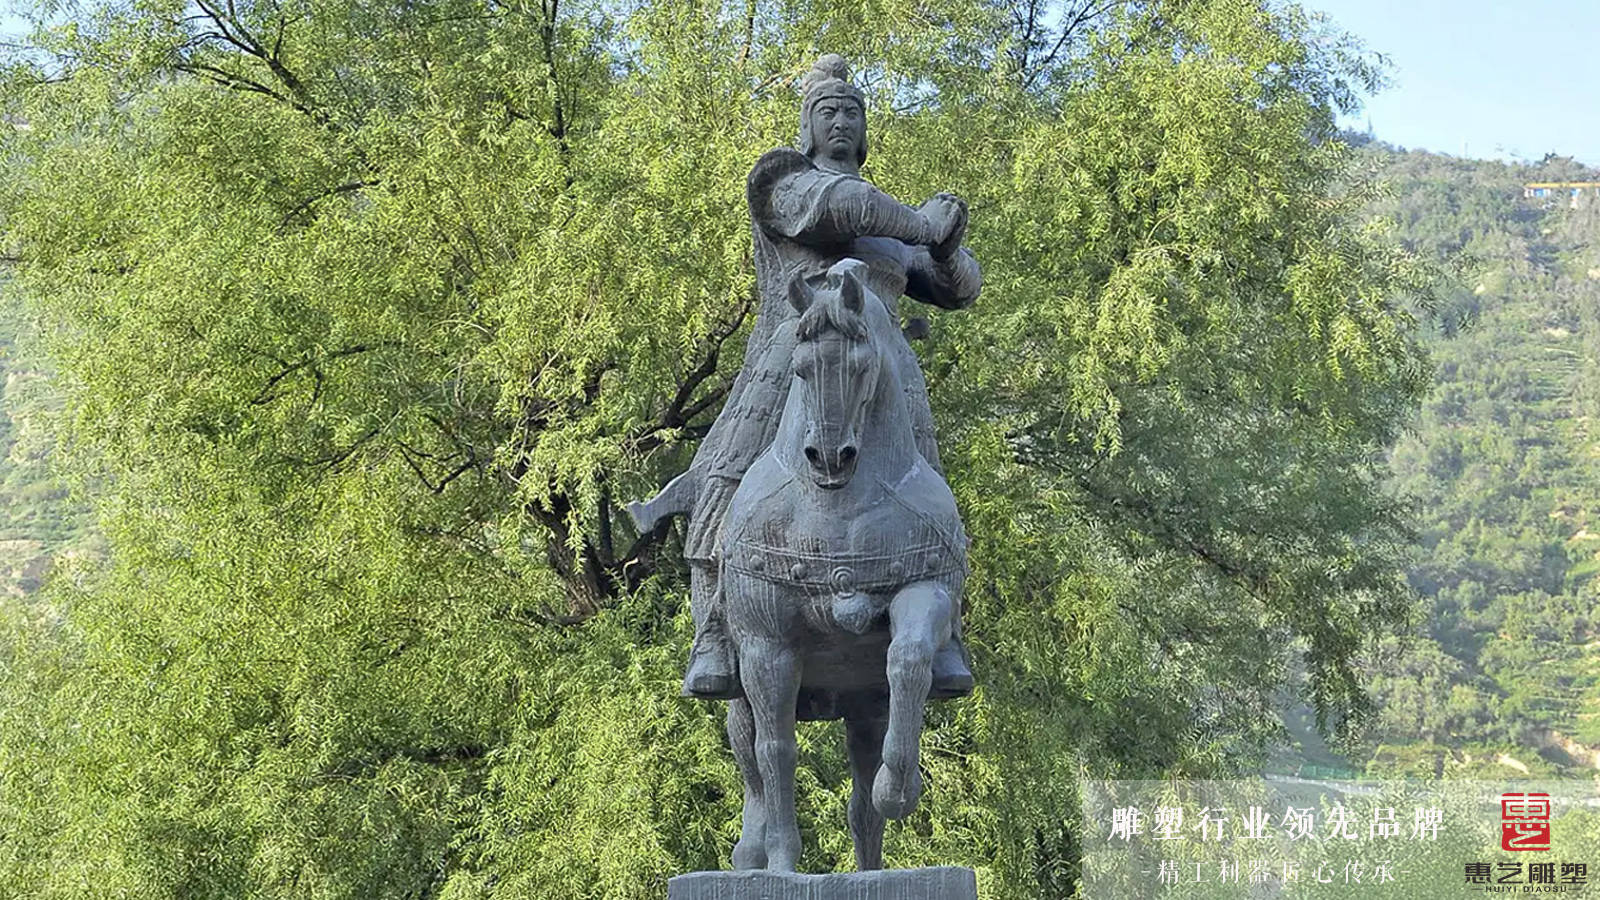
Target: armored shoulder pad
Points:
(772, 167)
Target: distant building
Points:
(1573, 189)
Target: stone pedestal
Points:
(939, 883)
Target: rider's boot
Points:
(952, 676)
(712, 672)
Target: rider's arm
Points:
(951, 283)
(789, 196)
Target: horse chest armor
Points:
(891, 543)
(842, 572)
(849, 588)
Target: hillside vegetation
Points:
(37, 520)
(1504, 463)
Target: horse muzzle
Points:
(832, 469)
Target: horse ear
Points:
(850, 292)
(799, 294)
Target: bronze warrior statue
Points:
(827, 556)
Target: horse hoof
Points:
(642, 519)
(749, 856)
(893, 796)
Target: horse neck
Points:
(889, 445)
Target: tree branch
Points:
(547, 36)
(680, 411)
(231, 32)
(265, 395)
(306, 204)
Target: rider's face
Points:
(837, 126)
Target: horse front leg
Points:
(750, 852)
(919, 624)
(770, 671)
(863, 732)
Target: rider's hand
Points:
(948, 214)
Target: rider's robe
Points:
(804, 219)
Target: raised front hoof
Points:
(895, 796)
(749, 855)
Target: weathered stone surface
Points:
(940, 883)
(826, 553)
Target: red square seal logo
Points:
(1524, 821)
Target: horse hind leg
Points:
(919, 624)
(750, 852)
(864, 743)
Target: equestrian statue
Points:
(826, 553)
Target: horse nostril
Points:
(847, 453)
(813, 457)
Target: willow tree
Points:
(367, 315)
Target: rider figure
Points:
(810, 209)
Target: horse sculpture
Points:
(842, 561)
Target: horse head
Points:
(839, 365)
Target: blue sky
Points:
(1483, 78)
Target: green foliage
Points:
(366, 314)
(37, 519)
(1501, 466)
